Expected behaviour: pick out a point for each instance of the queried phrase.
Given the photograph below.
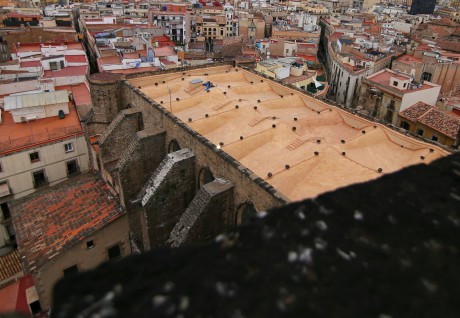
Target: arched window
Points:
(173, 146)
(205, 176)
(245, 212)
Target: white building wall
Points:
(18, 169)
(428, 96)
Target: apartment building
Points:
(42, 143)
(387, 93)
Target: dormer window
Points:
(395, 83)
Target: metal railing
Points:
(49, 134)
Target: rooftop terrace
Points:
(20, 136)
(300, 145)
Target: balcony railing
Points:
(38, 138)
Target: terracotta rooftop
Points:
(20, 136)
(449, 45)
(164, 51)
(76, 58)
(135, 70)
(415, 111)
(10, 265)
(409, 59)
(80, 92)
(432, 117)
(133, 55)
(384, 76)
(13, 298)
(30, 64)
(115, 59)
(52, 220)
(265, 117)
(68, 71)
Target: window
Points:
(39, 178)
(69, 271)
(426, 76)
(405, 125)
(68, 147)
(35, 307)
(34, 157)
(114, 252)
(54, 66)
(405, 84)
(72, 168)
(5, 211)
(434, 138)
(90, 244)
(395, 83)
(420, 132)
(1, 168)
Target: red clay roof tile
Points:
(50, 221)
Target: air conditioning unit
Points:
(23, 119)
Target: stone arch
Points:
(245, 212)
(205, 176)
(173, 146)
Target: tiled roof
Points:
(52, 220)
(441, 122)
(432, 117)
(10, 265)
(415, 111)
(440, 31)
(115, 59)
(445, 22)
(449, 45)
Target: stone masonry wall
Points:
(119, 134)
(166, 196)
(206, 214)
(142, 156)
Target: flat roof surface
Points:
(384, 76)
(265, 119)
(19, 136)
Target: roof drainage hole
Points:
(379, 170)
(189, 120)
(241, 137)
(316, 153)
(344, 153)
(270, 174)
(287, 166)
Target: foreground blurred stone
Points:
(387, 248)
